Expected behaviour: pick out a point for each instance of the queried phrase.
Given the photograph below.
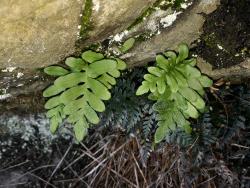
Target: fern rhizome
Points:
(80, 89)
(178, 88)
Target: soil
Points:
(226, 38)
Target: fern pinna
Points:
(79, 91)
(178, 87)
(128, 111)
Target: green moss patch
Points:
(86, 18)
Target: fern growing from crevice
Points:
(149, 120)
(219, 137)
(128, 111)
(79, 91)
(178, 88)
(203, 134)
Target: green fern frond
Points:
(79, 91)
(178, 87)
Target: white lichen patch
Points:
(150, 25)
(5, 96)
(153, 24)
(30, 130)
(186, 4)
(19, 75)
(169, 19)
(118, 37)
(9, 69)
(96, 6)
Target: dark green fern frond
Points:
(149, 120)
(128, 111)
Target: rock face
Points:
(36, 33)
(188, 28)
(43, 32)
(113, 16)
(235, 74)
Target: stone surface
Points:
(235, 74)
(23, 81)
(187, 28)
(113, 16)
(42, 32)
(36, 33)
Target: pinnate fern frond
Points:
(79, 91)
(178, 87)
